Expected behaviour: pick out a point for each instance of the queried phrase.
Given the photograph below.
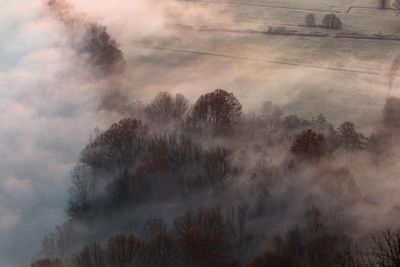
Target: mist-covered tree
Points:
(102, 49)
(91, 255)
(162, 249)
(127, 250)
(116, 149)
(386, 249)
(60, 243)
(165, 107)
(293, 122)
(204, 238)
(331, 21)
(312, 245)
(114, 155)
(391, 113)
(219, 109)
(47, 263)
(310, 20)
(272, 115)
(81, 192)
(350, 139)
(309, 145)
(277, 258)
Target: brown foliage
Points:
(219, 109)
(200, 249)
(309, 145)
(91, 256)
(210, 221)
(126, 250)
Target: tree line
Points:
(174, 151)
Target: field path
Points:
(269, 61)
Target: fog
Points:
(52, 100)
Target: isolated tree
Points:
(310, 20)
(102, 49)
(309, 145)
(331, 21)
(219, 109)
(117, 148)
(165, 107)
(391, 113)
(350, 139)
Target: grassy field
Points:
(342, 78)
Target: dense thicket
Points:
(205, 185)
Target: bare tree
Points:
(386, 249)
(117, 148)
(163, 250)
(165, 108)
(219, 109)
(102, 48)
(217, 164)
(350, 139)
(47, 263)
(125, 250)
(203, 249)
(91, 256)
(80, 193)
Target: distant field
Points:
(328, 5)
(343, 78)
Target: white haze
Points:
(49, 99)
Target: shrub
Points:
(331, 21)
(310, 20)
(309, 145)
